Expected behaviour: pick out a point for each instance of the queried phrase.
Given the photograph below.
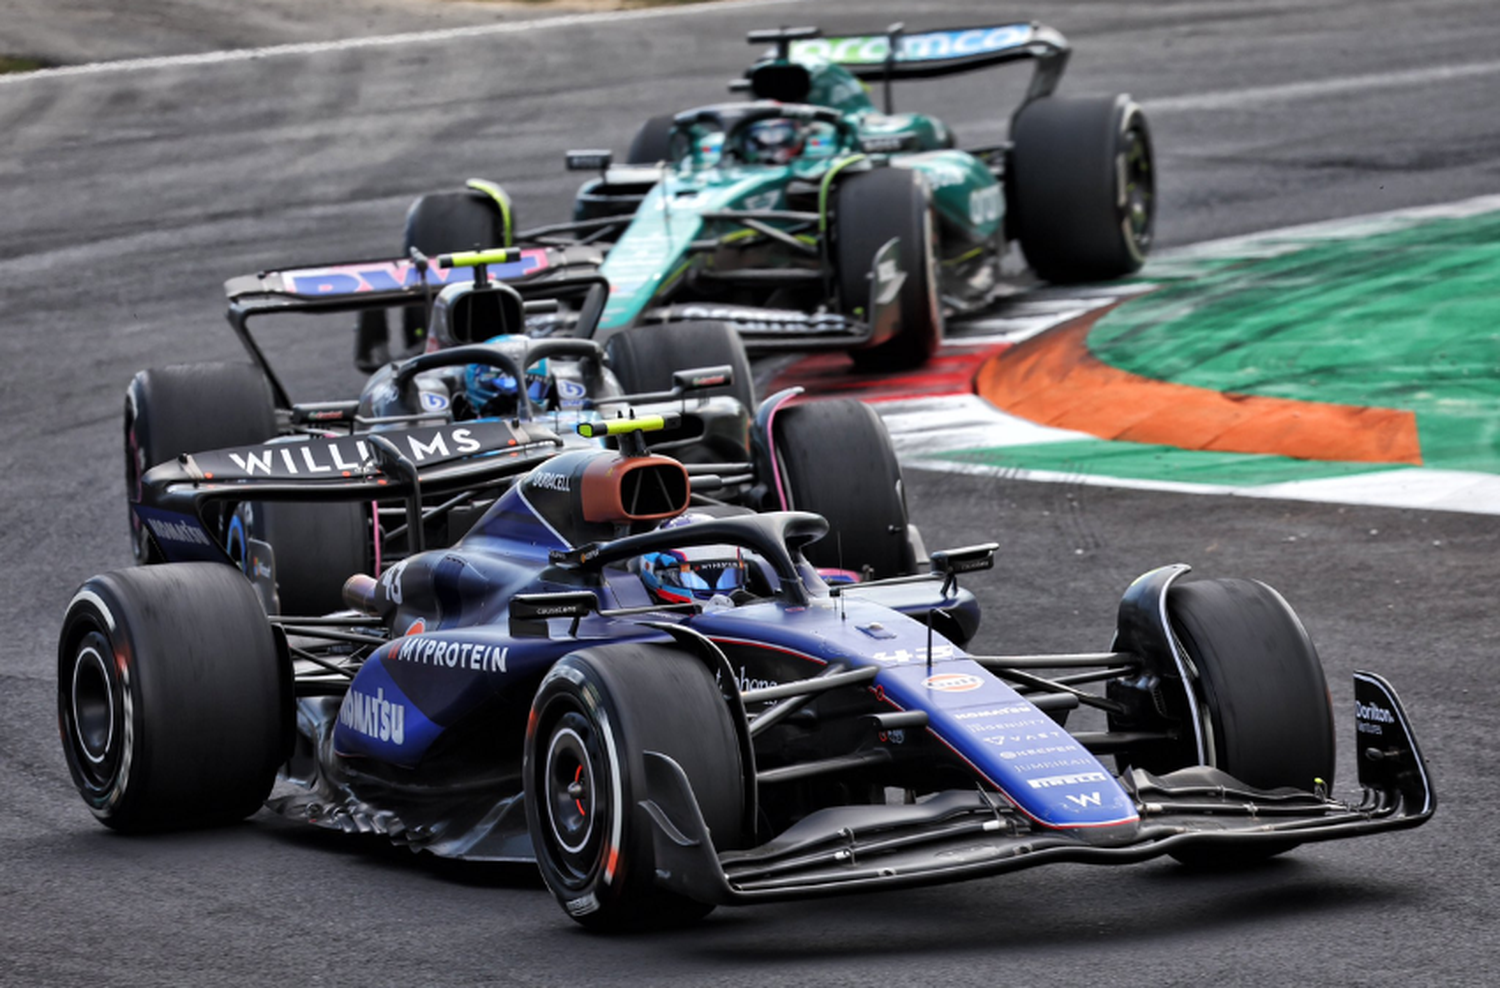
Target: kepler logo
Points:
(178, 531)
(374, 716)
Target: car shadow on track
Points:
(376, 850)
(1155, 906)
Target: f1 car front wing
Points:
(959, 835)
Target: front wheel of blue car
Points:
(597, 713)
(1257, 691)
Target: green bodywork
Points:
(658, 247)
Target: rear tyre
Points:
(444, 222)
(596, 714)
(1083, 187)
(652, 142)
(871, 208)
(644, 358)
(174, 706)
(1261, 691)
(189, 408)
(835, 459)
(315, 549)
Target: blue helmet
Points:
(492, 392)
(679, 576)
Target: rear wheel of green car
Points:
(1082, 187)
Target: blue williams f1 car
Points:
(663, 705)
(811, 218)
(483, 366)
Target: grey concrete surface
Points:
(70, 32)
(126, 198)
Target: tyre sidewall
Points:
(868, 214)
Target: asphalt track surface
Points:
(128, 196)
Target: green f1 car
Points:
(809, 218)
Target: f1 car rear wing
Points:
(536, 273)
(389, 465)
(894, 54)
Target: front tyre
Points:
(1082, 187)
(174, 706)
(653, 142)
(645, 358)
(315, 548)
(834, 458)
(871, 209)
(1263, 701)
(596, 714)
(447, 222)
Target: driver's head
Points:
(492, 391)
(777, 141)
(678, 576)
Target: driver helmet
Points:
(777, 141)
(698, 573)
(492, 392)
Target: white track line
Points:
(1253, 95)
(383, 41)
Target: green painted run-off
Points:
(1407, 319)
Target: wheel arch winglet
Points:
(1386, 746)
(1143, 628)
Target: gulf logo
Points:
(953, 682)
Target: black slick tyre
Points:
(597, 713)
(173, 704)
(1082, 187)
(834, 458)
(442, 223)
(189, 408)
(315, 548)
(1262, 692)
(870, 209)
(652, 143)
(645, 358)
